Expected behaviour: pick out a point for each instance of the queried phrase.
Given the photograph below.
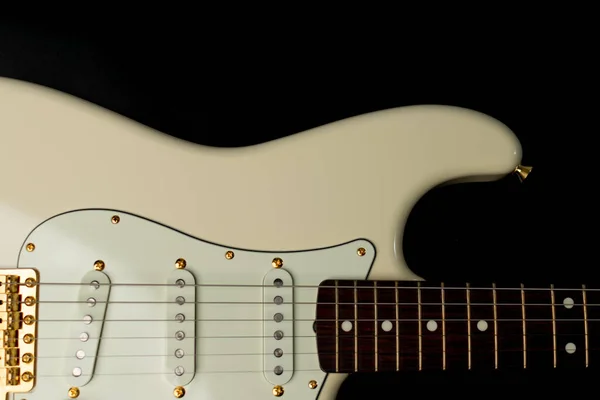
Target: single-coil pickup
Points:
(92, 303)
(278, 317)
(181, 327)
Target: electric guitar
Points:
(135, 265)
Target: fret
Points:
(397, 326)
(585, 321)
(387, 343)
(408, 325)
(337, 327)
(346, 326)
(538, 305)
(592, 295)
(356, 332)
(482, 331)
(375, 327)
(456, 319)
(365, 327)
(523, 323)
(570, 327)
(553, 305)
(431, 326)
(510, 326)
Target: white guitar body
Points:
(67, 167)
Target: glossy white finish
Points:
(140, 257)
(357, 178)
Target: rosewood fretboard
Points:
(367, 326)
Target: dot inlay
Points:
(346, 326)
(386, 326)
(432, 326)
(570, 348)
(482, 325)
(568, 302)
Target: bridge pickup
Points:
(18, 323)
(92, 303)
(181, 322)
(278, 333)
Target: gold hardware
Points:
(99, 265)
(179, 392)
(278, 391)
(522, 172)
(30, 247)
(361, 251)
(74, 392)
(277, 263)
(312, 384)
(180, 263)
(27, 377)
(29, 301)
(18, 330)
(115, 219)
(229, 255)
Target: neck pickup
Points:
(371, 326)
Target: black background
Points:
(246, 90)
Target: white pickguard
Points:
(131, 361)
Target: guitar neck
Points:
(370, 326)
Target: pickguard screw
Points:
(312, 384)
(74, 392)
(229, 255)
(277, 263)
(361, 251)
(30, 247)
(179, 392)
(180, 263)
(99, 265)
(115, 219)
(278, 391)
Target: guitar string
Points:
(366, 288)
(81, 321)
(142, 302)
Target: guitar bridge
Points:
(18, 323)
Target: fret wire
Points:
(443, 329)
(420, 326)
(469, 325)
(494, 300)
(585, 326)
(553, 324)
(375, 322)
(397, 328)
(524, 326)
(355, 326)
(337, 327)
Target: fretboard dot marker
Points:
(568, 302)
(482, 325)
(570, 348)
(386, 326)
(431, 326)
(346, 326)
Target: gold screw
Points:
(29, 320)
(29, 301)
(361, 251)
(180, 263)
(30, 282)
(277, 263)
(30, 247)
(27, 358)
(27, 377)
(312, 384)
(99, 265)
(74, 392)
(278, 391)
(115, 219)
(28, 339)
(229, 255)
(179, 392)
